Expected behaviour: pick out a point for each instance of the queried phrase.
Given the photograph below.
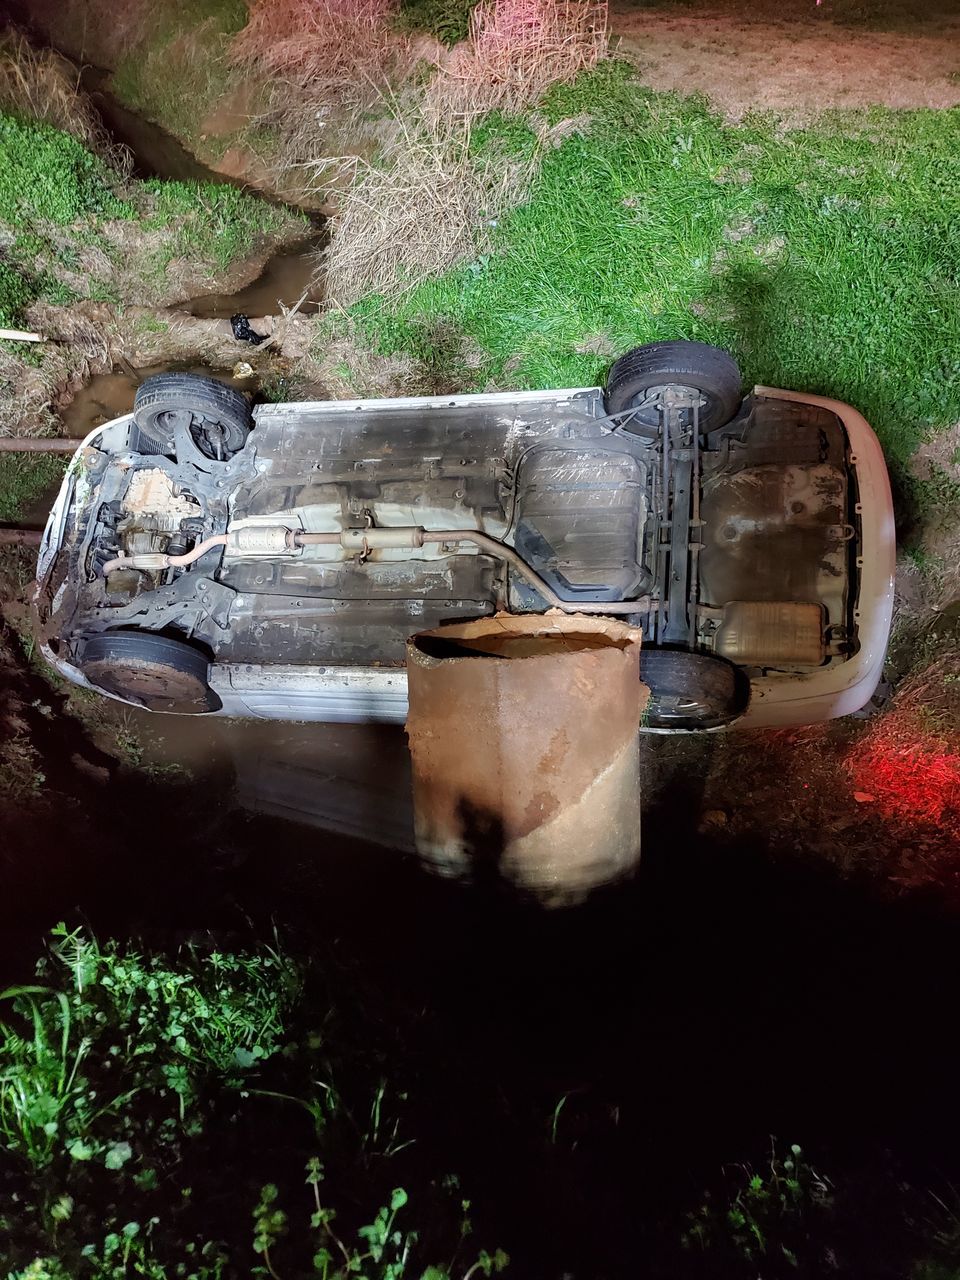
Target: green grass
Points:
(151, 324)
(48, 181)
(826, 259)
(211, 222)
(448, 20)
(171, 1026)
(179, 68)
(141, 1098)
(48, 176)
(24, 478)
(205, 1112)
(55, 196)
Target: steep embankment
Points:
(168, 62)
(92, 257)
(250, 99)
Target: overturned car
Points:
(207, 558)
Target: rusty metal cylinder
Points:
(39, 444)
(20, 537)
(524, 738)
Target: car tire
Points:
(219, 413)
(690, 690)
(153, 671)
(712, 372)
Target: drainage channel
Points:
(288, 275)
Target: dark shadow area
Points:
(588, 1072)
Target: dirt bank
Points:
(796, 65)
(94, 255)
(176, 68)
(90, 338)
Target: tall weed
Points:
(116, 1025)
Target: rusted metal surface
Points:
(38, 444)
(777, 533)
(155, 685)
(151, 491)
(759, 632)
(20, 537)
(523, 733)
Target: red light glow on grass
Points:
(909, 771)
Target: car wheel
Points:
(220, 416)
(154, 671)
(689, 690)
(708, 370)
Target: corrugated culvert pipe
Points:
(524, 734)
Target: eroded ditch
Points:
(195, 335)
(194, 331)
(291, 275)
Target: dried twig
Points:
(40, 85)
(515, 50)
(287, 315)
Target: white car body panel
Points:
(355, 694)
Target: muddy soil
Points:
(156, 153)
(110, 395)
(797, 65)
(93, 339)
(291, 275)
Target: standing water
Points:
(288, 275)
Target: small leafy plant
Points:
(139, 1096)
(773, 1219)
(126, 1025)
(382, 1249)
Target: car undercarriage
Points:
(331, 531)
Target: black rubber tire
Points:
(212, 404)
(689, 690)
(706, 369)
(154, 671)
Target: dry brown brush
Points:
(331, 45)
(426, 207)
(515, 50)
(429, 203)
(303, 133)
(37, 84)
(330, 63)
(425, 204)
